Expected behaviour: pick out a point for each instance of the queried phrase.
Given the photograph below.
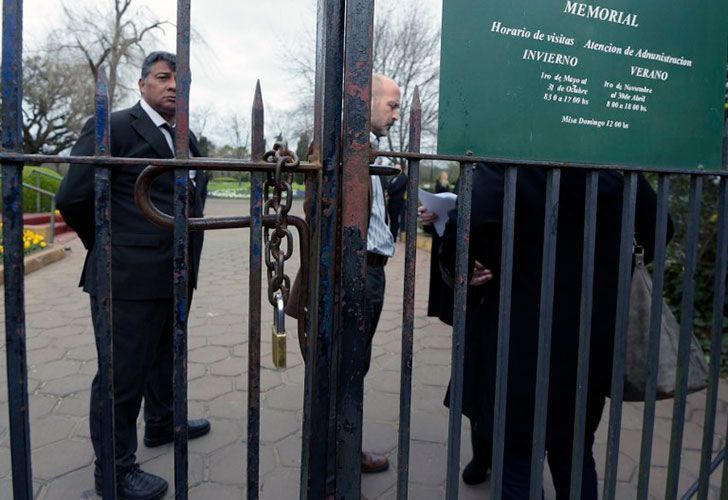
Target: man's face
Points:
(159, 89)
(385, 107)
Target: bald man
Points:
(380, 243)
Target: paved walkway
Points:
(62, 361)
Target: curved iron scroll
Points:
(142, 196)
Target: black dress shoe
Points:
(476, 472)
(195, 428)
(137, 485)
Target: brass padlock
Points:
(279, 333)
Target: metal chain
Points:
(278, 198)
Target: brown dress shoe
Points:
(372, 462)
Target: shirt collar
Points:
(374, 139)
(153, 115)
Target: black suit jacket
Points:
(142, 252)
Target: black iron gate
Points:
(335, 250)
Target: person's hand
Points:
(481, 275)
(426, 217)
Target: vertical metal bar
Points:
(36, 174)
(181, 250)
(52, 236)
(12, 177)
(629, 202)
(458, 330)
(104, 312)
(653, 348)
(585, 326)
(408, 300)
(320, 321)
(721, 266)
(546, 314)
(254, 283)
(686, 331)
(356, 182)
(504, 331)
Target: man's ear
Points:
(141, 84)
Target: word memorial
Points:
(620, 83)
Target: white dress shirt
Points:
(160, 122)
(379, 237)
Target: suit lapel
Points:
(145, 127)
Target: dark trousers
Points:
(517, 473)
(374, 303)
(376, 283)
(396, 209)
(142, 351)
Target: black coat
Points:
(142, 252)
(482, 322)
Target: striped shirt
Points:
(379, 237)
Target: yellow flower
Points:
(26, 245)
(42, 244)
(57, 212)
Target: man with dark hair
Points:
(141, 260)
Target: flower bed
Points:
(32, 241)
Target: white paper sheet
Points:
(440, 204)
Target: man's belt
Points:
(375, 259)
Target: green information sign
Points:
(621, 82)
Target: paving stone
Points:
(384, 381)
(285, 397)
(37, 342)
(208, 388)
(55, 369)
(229, 367)
(283, 484)
(232, 406)
(50, 429)
(432, 375)
(50, 353)
(40, 405)
(229, 465)
(85, 353)
(64, 331)
(208, 354)
(217, 492)
(276, 425)
(77, 405)
(381, 407)
(76, 484)
(67, 385)
(430, 426)
(230, 339)
(222, 433)
(379, 437)
(431, 458)
(163, 466)
(289, 451)
(60, 458)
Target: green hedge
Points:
(44, 182)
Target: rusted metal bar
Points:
(545, 322)
(687, 309)
(629, 201)
(719, 294)
(548, 164)
(504, 331)
(181, 251)
(254, 315)
(408, 300)
(719, 287)
(458, 331)
(653, 348)
(212, 164)
(12, 177)
(354, 219)
(585, 323)
(104, 313)
(317, 464)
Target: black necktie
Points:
(171, 130)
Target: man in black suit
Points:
(142, 255)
